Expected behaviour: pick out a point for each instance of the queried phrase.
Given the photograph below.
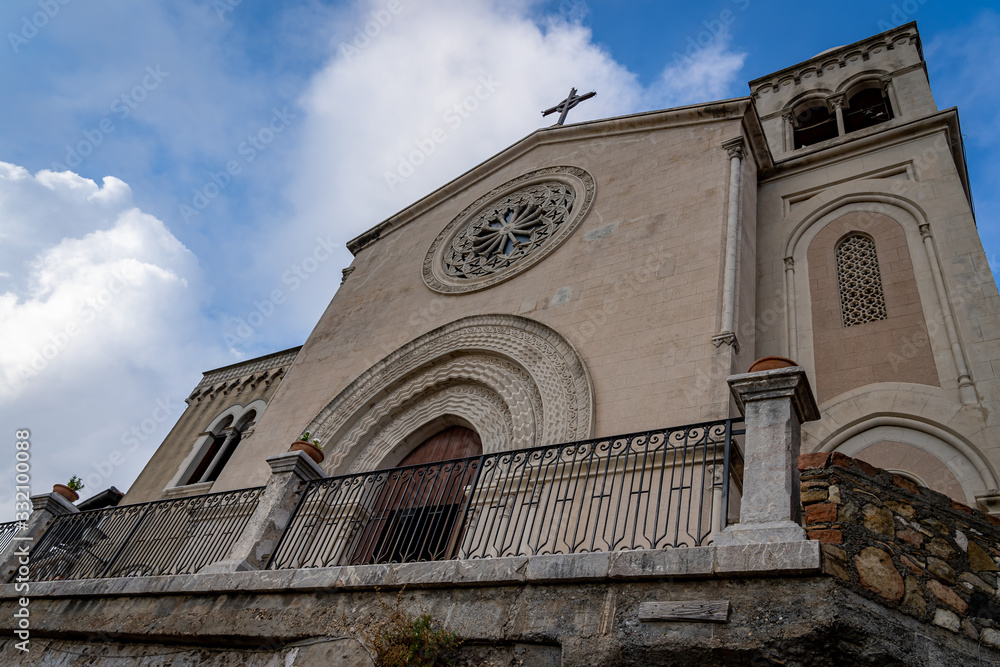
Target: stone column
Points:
(788, 131)
(838, 109)
(890, 93)
(219, 456)
(45, 509)
(727, 334)
(290, 472)
(775, 403)
(791, 321)
(966, 390)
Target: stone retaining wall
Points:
(908, 547)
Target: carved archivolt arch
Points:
(516, 381)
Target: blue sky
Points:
(169, 169)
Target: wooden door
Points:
(418, 505)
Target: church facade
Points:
(825, 218)
(561, 401)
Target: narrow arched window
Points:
(224, 443)
(862, 299)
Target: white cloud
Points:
(96, 322)
(710, 73)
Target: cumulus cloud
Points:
(96, 312)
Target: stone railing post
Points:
(45, 508)
(290, 472)
(774, 403)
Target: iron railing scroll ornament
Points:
(648, 490)
(177, 536)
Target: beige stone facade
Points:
(698, 239)
(227, 398)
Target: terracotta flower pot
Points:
(66, 492)
(311, 450)
(770, 363)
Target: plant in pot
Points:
(69, 489)
(310, 445)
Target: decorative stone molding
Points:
(727, 337)
(735, 147)
(990, 502)
(479, 407)
(835, 59)
(508, 230)
(517, 382)
(235, 375)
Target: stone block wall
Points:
(905, 546)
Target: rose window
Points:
(509, 230)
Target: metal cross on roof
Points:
(568, 104)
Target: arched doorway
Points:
(418, 511)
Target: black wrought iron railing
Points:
(663, 488)
(7, 532)
(178, 536)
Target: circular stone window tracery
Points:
(508, 230)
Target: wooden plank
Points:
(711, 611)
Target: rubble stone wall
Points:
(905, 546)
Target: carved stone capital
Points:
(925, 231)
(296, 463)
(836, 101)
(727, 337)
(780, 383)
(735, 147)
(789, 263)
(990, 501)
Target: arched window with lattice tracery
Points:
(862, 298)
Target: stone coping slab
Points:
(775, 558)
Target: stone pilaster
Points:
(45, 508)
(290, 472)
(775, 403)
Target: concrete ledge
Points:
(776, 558)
